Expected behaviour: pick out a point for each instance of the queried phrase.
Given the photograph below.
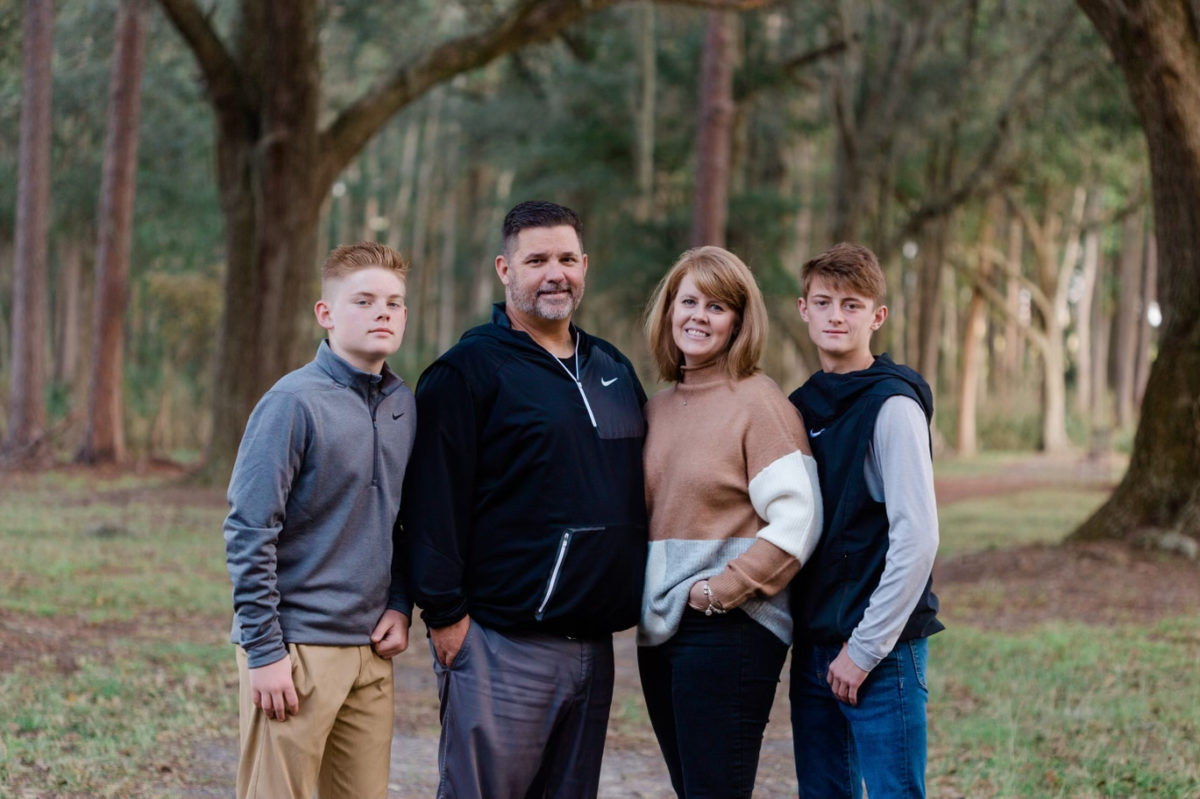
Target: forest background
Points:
(174, 171)
(985, 150)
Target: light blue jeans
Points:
(879, 741)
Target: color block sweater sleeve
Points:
(782, 485)
(900, 469)
(268, 459)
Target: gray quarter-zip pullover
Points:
(313, 502)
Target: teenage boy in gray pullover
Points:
(319, 609)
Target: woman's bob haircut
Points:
(721, 275)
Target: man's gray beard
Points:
(528, 304)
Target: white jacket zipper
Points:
(578, 382)
(558, 562)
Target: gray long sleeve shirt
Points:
(313, 503)
(898, 470)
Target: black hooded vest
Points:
(830, 595)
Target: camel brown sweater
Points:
(732, 495)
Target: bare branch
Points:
(526, 22)
(990, 172)
(998, 302)
(771, 76)
(221, 74)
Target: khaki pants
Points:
(338, 745)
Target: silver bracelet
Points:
(713, 605)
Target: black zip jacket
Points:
(524, 503)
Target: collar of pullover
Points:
(346, 375)
(502, 326)
(703, 377)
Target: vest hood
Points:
(832, 393)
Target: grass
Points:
(127, 597)
(1035, 516)
(114, 725)
(128, 669)
(69, 550)
(1067, 710)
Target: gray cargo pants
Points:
(523, 716)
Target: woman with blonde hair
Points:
(734, 504)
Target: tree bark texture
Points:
(1014, 337)
(645, 109)
(929, 300)
(1089, 267)
(104, 430)
(1146, 332)
(26, 443)
(974, 327)
(714, 139)
(69, 314)
(1156, 44)
(1130, 306)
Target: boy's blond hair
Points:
(723, 276)
(847, 266)
(350, 258)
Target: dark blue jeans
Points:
(881, 740)
(709, 691)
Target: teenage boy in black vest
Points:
(863, 604)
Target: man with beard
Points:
(525, 520)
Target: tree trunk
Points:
(447, 323)
(1014, 337)
(644, 111)
(714, 140)
(1054, 276)
(1131, 299)
(485, 275)
(1156, 43)
(398, 216)
(162, 428)
(370, 185)
(265, 157)
(422, 223)
(1054, 391)
(1147, 331)
(1100, 410)
(6, 262)
(69, 316)
(966, 443)
(928, 322)
(1089, 267)
(26, 443)
(104, 430)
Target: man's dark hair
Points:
(538, 213)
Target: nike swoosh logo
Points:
(396, 416)
(815, 433)
(609, 381)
